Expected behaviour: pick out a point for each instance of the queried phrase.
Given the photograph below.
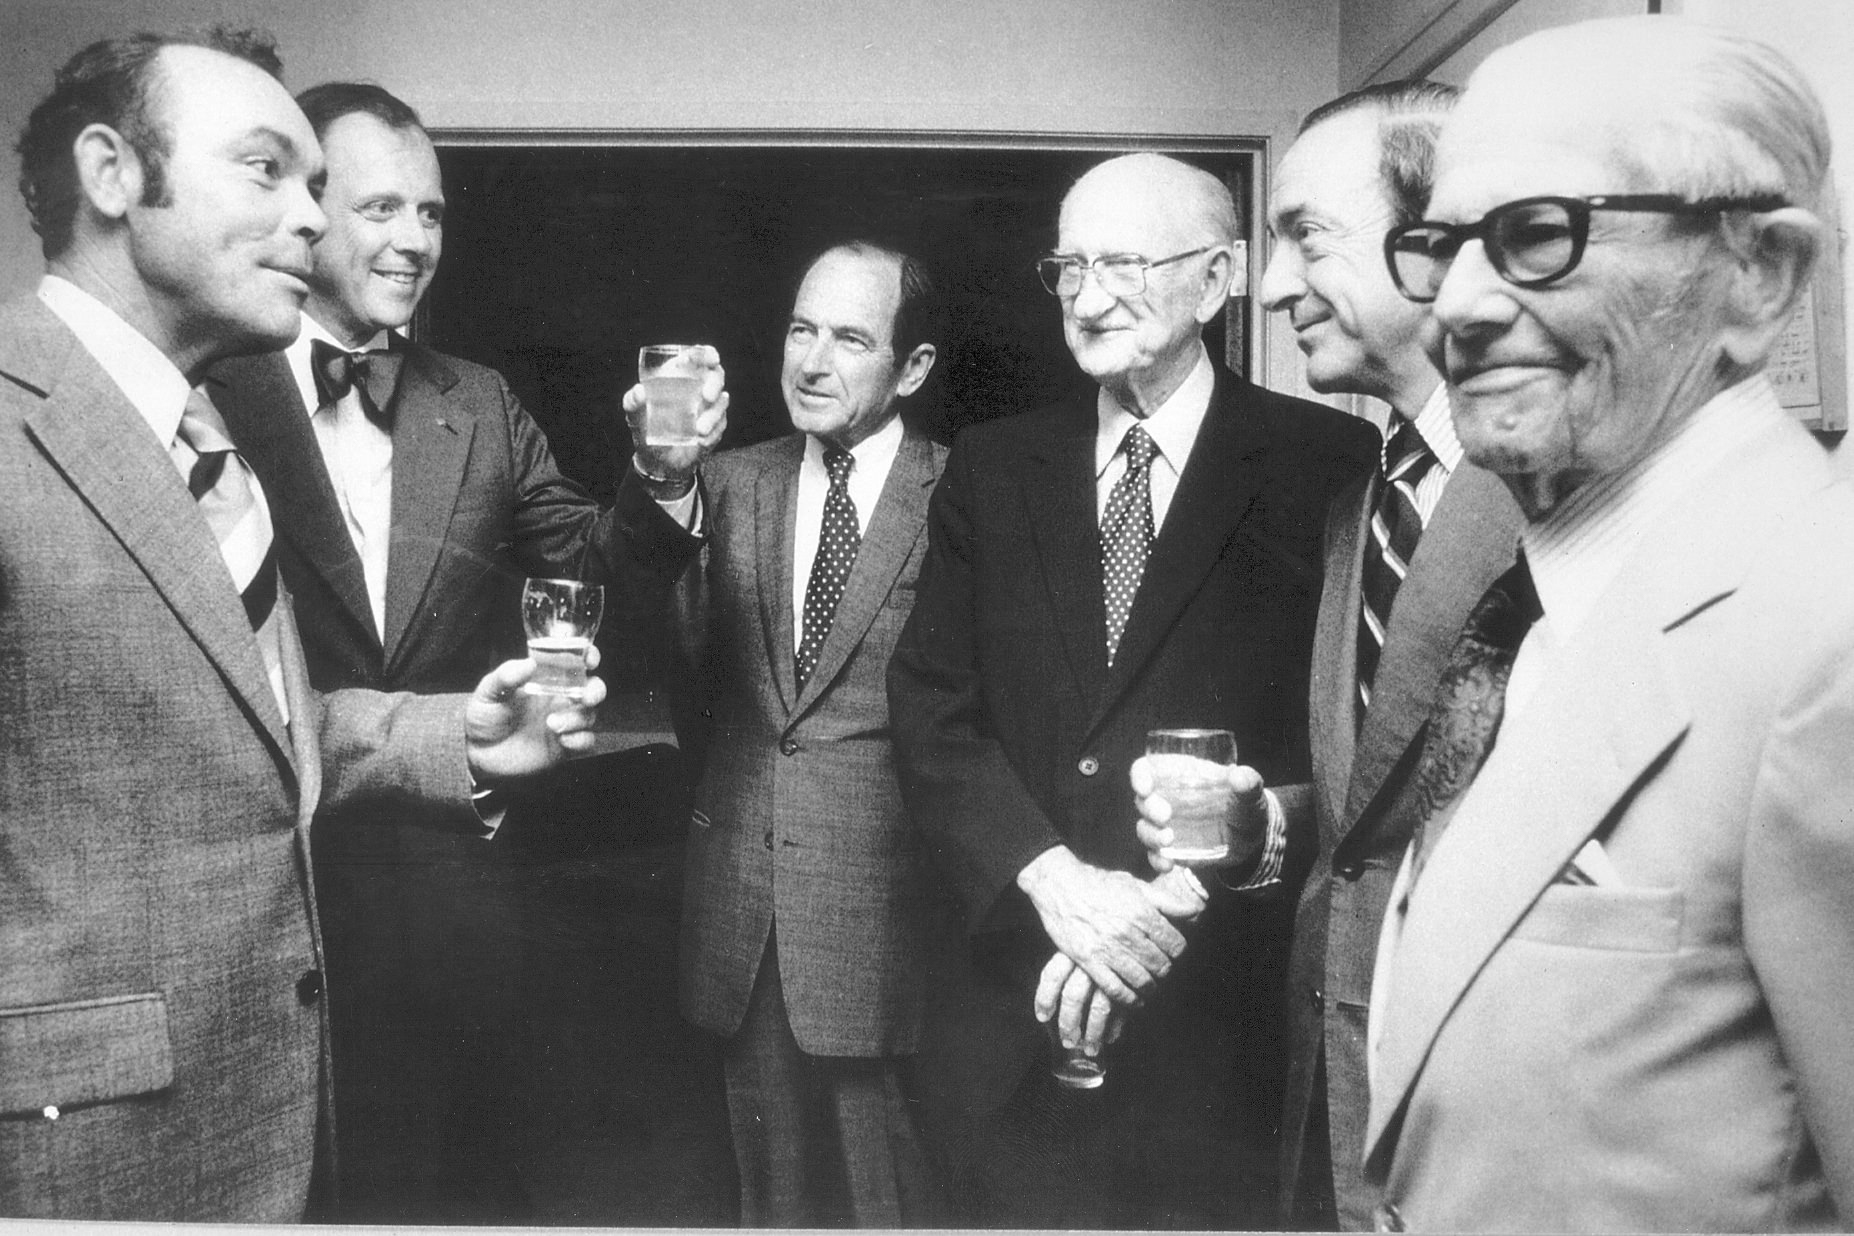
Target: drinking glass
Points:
(561, 616)
(672, 393)
(1190, 770)
(1072, 1067)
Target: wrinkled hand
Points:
(1249, 832)
(509, 733)
(1083, 1013)
(1110, 923)
(679, 462)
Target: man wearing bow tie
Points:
(413, 495)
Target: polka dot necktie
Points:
(830, 570)
(1396, 526)
(1126, 533)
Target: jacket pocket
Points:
(1635, 920)
(87, 1051)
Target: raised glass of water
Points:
(672, 393)
(1190, 770)
(561, 617)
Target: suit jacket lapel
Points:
(775, 514)
(1334, 689)
(1609, 711)
(1213, 496)
(896, 524)
(104, 449)
(265, 413)
(1059, 503)
(431, 446)
(1476, 526)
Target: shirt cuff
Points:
(491, 805)
(686, 510)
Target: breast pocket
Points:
(1634, 920)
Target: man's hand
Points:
(1106, 921)
(509, 733)
(677, 463)
(1249, 832)
(1083, 1013)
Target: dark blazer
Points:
(1353, 825)
(1012, 732)
(478, 505)
(159, 949)
(798, 816)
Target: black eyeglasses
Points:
(1532, 242)
(1122, 274)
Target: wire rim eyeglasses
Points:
(1532, 242)
(1119, 274)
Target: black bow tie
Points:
(338, 371)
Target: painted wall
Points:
(1223, 67)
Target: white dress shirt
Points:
(1173, 427)
(157, 390)
(359, 457)
(871, 460)
(1574, 554)
(1436, 423)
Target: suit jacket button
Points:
(1351, 871)
(1387, 1218)
(788, 746)
(1087, 766)
(769, 838)
(1316, 997)
(309, 987)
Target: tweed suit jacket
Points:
(1670, 1048)
(478, 505)
(798, 823)
(1349, 829)
(158, 934)
(1014, 734)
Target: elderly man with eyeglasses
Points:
(1615, 987)
(1145, 555)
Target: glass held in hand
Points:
(1072, 1067)
(672, 393)
(1191, 771)
(561, 617)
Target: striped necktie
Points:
(838, 540)
(1126, 533)
(1396, 526)
(222, 483)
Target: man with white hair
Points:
(1146, 555)
(1615, 988)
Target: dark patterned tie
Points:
(830, 570)
(1126, 533)
(220, 482)
(1470, 700)
(1396, 525)
(337, 372)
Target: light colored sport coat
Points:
(798, 818)
(1675, 1051)
(1358, 811)
(160, 987)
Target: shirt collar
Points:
(1436, 423)
(1577, 550)
(302, 367)
(1173, 426)
(147, 378)
(873, 454)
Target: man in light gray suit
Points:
(163, 1044)
(805, 913)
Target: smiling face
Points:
(1552, 386)
(385, 204)
(1143, 347)
(841, 376)
(1328, 216)
(222, 260)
